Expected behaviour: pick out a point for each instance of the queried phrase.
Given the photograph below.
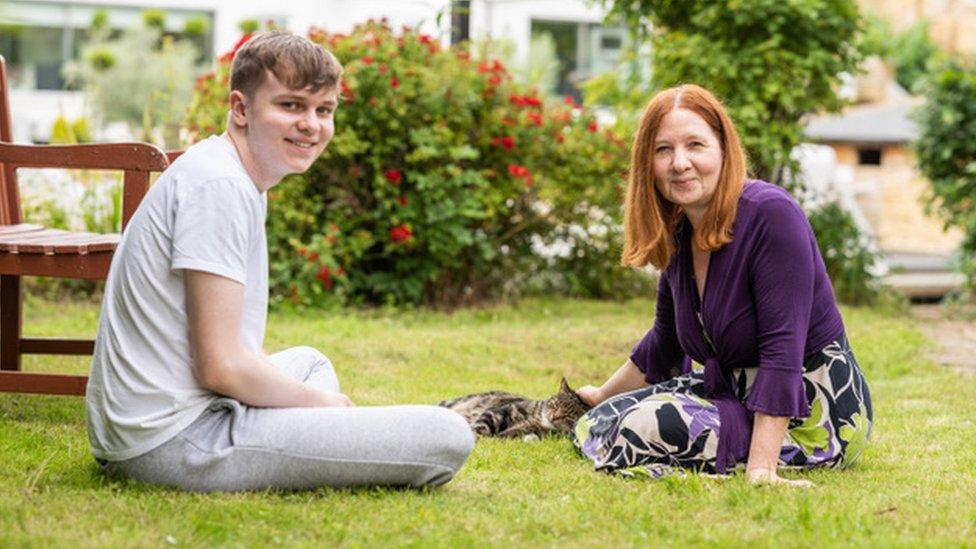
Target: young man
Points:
(181, 393)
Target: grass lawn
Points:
(914, 485)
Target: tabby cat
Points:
(502, 414)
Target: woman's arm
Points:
(658, 356)
(626, 378)
(768, 433)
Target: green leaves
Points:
(770, 61)
(946, 152)
(442, 175)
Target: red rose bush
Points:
(446, 182)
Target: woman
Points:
(744, 291)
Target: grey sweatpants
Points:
(235, 447)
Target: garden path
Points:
(954, 339)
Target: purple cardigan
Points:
(768, 303)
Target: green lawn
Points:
(914, 485)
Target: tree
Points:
(946, 152)
(143, 77)
(771, 61)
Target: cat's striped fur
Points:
(502, 414)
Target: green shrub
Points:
(847, 253)
(445, 182)
(946, 152)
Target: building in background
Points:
(37, 37)
(952, 23)
(871, 144)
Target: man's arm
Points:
(215, 307)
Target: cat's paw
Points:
(531, 437)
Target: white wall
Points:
(506, 19)
(299, 15)
(332, 15)
(512, 19)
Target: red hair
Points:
(650, 219)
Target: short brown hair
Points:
(650, 220)
(295, 61)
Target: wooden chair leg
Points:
(11, 316)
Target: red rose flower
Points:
(535, 118)
(400, 233)
(506, 142)
(229, 56)
(393, 176)
(394, 83)
(521, 172)
(241, 41)
(593, 126)
(367, 60)
(348, 94)
(325, 277)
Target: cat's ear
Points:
(564, 386)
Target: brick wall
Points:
(890, 195)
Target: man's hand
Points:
(336, 400)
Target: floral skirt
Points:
(671, 426)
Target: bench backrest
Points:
(135, 160)
(9, 195)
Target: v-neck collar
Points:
(689, 263)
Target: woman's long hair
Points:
(650, 220)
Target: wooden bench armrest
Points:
(171, 156)
(136, 160)
(99, 156)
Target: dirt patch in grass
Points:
(953, 340)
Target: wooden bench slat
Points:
(66, 242)
(56, 241)
(20, 228)
(90, 248)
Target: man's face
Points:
(287, 129)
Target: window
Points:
(869, 156)
(583, 50)
(38, 38)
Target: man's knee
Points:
(448, 443)
(313, 356)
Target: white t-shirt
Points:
(204, 214)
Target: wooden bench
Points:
(33, 250)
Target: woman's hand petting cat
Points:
(761, 475)
(590, 395)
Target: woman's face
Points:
(687, 161)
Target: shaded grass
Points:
(913, 486)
